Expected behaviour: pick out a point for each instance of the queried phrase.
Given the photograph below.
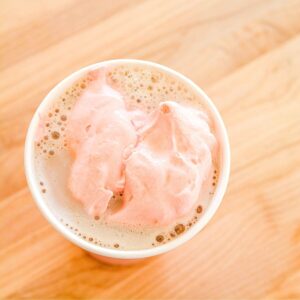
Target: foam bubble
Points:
(179, 229)
(199, 209)
(55, 135)
(160, 238)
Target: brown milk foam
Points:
(143, 88)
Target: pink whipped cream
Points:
(165, 171)
(101, 134)
(159, 161)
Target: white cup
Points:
(115, 255)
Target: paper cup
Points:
(115, 255)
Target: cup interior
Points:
(224, 166)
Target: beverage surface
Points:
(127, 158)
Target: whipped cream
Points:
(158, 161)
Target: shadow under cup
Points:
(115, 256)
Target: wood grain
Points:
(245, 54)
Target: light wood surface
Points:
(246, 56)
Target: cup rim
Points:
(115, 253)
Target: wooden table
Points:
(246, 55)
